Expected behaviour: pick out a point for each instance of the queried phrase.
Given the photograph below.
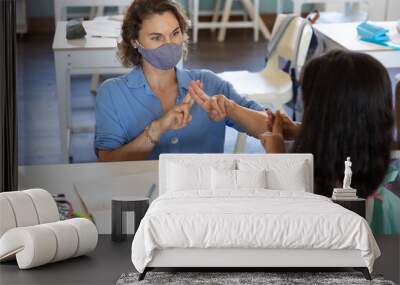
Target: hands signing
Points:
(216, 106)
(273, 141)
(178, 117)
(284, 125)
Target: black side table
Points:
(357, 205)
(122, 204)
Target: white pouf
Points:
(23, 208)
(7, 216)
(37, 245)
(31, 233)
(46, 207)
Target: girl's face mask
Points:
(164, 57)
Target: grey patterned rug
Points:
(243, 278)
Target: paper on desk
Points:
(395, 39)
(103, 28)
(394, 42)
(116, 18)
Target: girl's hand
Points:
(290, 128)
(273, 141)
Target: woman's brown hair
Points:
(133, 20)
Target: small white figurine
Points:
(347, 174)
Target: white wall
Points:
(393, 11)
(384, 10)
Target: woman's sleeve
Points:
(109, 133)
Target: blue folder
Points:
(375, 34)
(372, 33)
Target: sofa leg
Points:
(143, 274)
(364, 271)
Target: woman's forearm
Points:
(251, 121)
(138, 149)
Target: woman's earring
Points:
(137, 44)
(134, 44)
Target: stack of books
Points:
(344, 194)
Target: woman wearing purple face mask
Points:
(155, 108)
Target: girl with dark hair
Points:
(347, 112)
(147, 111)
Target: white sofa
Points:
(31, 231)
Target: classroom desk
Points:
(84, 56)
(344, 36)
(60, 6)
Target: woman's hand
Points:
(176, 118)
(273, 141)
(216, 106)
